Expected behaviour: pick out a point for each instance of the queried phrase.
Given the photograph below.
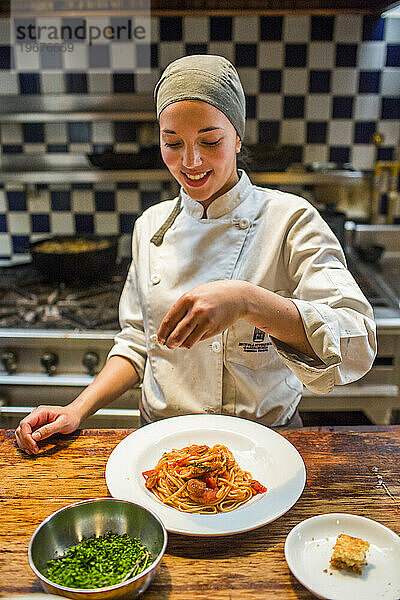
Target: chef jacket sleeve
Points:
(130, 342)
(337, 318)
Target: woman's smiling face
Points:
(199, 146)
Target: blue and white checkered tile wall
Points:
(320, 84)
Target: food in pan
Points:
(99, 562)
(349, 553)
(73, 245)
(201, 479)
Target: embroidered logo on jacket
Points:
(258, 344)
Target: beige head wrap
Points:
(212, 79)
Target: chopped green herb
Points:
(99, 562)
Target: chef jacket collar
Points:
(223, 204)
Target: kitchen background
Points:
(319, 85)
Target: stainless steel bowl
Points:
(69, 525)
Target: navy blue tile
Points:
(57, 148)
(148, 199)
(123, 82)
(42, 186)
(369, 82)
(220, 29)
(383, 208)
(16, 200)
(126, 222)
(339, 154)
(79, 132)
(271, 28)
(322, 28)
(3, 223)
(33, 132)
(363, 131)
(76, 83)
(246, 55)
(99, 56)
(84, 223)
(319, 82)
(373, 28)
(74, 30)
(29, 83)
(346, 55)
(19, 243)
(40, 223)
(196, 49)
(295, 55)
(81, 186)
(104, 201)
(342, 107)
(5, 58)
(295, 153)
(127, 185)
(390, 108)
(170, 29)
(12, 148)
(144, 56)
(60, 200)
(317, 132)
(393, 55)
(270, 81)
(268, 131)
(125, 131)
(293, 107)
(385, 153)
(154, 56)
(251, 107)
(101, 148)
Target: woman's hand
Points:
(42, 422)
(203, 312)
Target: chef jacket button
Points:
(235, 220)
(153, 339)
(244, 223)
(216, 347)
(155, 279)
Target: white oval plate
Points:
(308, 550)
(268, 456)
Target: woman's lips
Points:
(196, 182)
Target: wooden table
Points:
(250, 565)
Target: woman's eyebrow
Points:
(199, 131)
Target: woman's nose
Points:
(191, 157)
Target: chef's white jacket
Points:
(272, 239)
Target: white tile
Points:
(225, 49)
(149, 186)
(77, 60)
(318, 107)
(293, 132)
(145, 82)
(344, 81)
(45, 34)
(106, 223)
(249, 79)
(170, 51)
(99, 23)
(102, 132)
(270, 107)
(5, 30)
(127, 201)
(270, 55)
(195, 30)
(34, 148)
(315, 153)
(348, 28)
(363, 156)
(5, 244)
(340, 132)
(8, 83)
(390, 131)
(321, 55)
(99, 83)
(245, 29)
(39, 202)
(125, 246)
(55, 133)
(24, 60)
(155, 29)
(126, 147)
(19, 222)
(366, 107)
(392, 30)
(390, 82)
(62, 223)
(296, 28)
(52, 83)
(295, 81)
(11, 133)
(371, 55)
(251, 131)
(105, 187)
(83, 148)
(2, 201)
(83, 201)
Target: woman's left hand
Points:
(203, 312)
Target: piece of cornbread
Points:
(349, 553)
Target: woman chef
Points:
(237, 295)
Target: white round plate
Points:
(308, 550)
(268, 456)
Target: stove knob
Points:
(49, 362)
(9, 360)
(91, 361)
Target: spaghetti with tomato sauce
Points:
(201, 479)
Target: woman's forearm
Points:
(115, 378)
(277, 316)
